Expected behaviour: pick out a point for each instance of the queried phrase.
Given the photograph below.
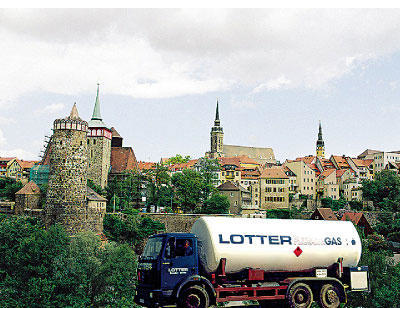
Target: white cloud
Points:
(19, 153)
(51, 108)
(161, 53)
(3, 140)
(6, 120)
(274, 84)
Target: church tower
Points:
(66, 193)
(217, 137)
(99, 147)
(320, 149)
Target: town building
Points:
(4, 164)
(320, 146)
(324, 214)
(217, 138)
(99, 147)
(305, 175)
(28, 197)
(274, 189)
(359, 220)
(19, 169)
(239, 198)
(219, 149)
(66, 200)
(352, 190)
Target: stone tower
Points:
(99, 147)
(217, 137)
(66, 193)
(320, 148)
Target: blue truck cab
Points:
(169, 263)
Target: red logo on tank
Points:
(298, 251)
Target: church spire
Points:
(96, 120)
(96, 111)
(217, 113)
(320, 148)
(216, 121)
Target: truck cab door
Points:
(179, 262)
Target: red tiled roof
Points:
(340, 173)
(354, 217)
(123, 160)
(142, 165)
(326, 214)
(246, 159)
(327, 172)
(276, 173)
(229, 161)
(307, 159)
(26, 164)
(29, 188)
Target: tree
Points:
(132, 230)
(208, 169)
(158, 180)
(8, 188)
(384, 190)
(125, 191)
(384, 278)
(335, 205)
(216, 204)
(46, 268)
(189, 189)
(178, 159)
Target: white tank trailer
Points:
(276, 262)
(275, 244)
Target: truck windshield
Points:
(153, 248)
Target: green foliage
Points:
(356, 205)
(335, 205)
(208, 169)
(394, 236)
(292, 213)
(178, 159)
(384, 190)
(376, 242)
(43, 190)
(384, 281)
(125, 191)
(189, 189)
(96, 188)
(132, 230)
(8, 188)
(46, 268)
(216, 204)
(159, 191)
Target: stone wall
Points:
(99, 151)
(26, 201)
(66, 194)
(178, 222)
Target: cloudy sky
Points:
(275, 72)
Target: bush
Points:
(46, 268)
(216, 204)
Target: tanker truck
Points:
(272, 261)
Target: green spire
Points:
(96, 111)
(217, 113)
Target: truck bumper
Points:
(153, 297)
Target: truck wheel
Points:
(194, 297)
(329, 296)
(300, 296)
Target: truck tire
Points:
(194, 297)
(300, 295)
(329, 296)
